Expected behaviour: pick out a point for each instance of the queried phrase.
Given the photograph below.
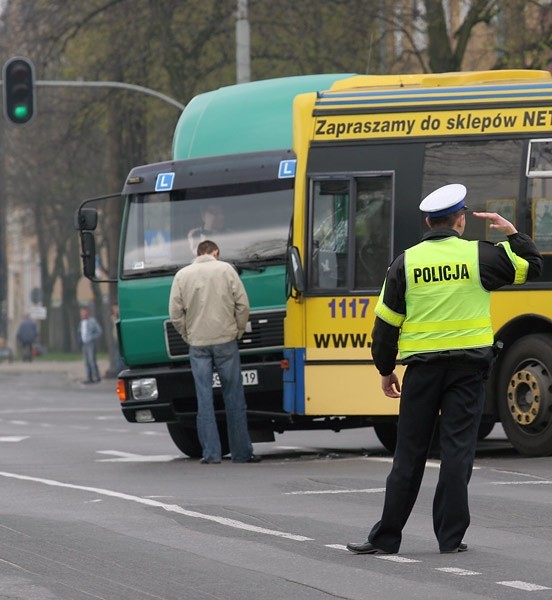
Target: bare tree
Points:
(82, 143)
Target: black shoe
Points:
(252, 459)
(206, 461)
(366, 548)
(461, 548)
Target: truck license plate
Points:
(249, 377)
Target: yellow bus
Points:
(368, 150)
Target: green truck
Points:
(231, 179)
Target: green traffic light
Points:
(18, 90)
(20, 112)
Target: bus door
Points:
(349, 247)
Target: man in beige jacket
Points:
(208, 306)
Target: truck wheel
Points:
(485, 428)
(186, 440)
(525, 395)
(387, 435)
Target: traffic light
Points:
(18, 84)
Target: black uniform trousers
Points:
(458, 394)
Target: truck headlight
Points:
(144, 389)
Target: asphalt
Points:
(73, 370)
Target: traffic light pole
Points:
(113, 84)
(110, 84)
(3, 245)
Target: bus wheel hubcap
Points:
(527, 394)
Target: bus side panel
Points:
(347, 389)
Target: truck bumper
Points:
(176, 399)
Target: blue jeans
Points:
(89, 355)
(226, 359)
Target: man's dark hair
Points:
(445, 220)
(206, 247)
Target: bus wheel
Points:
(387, 435)
(186, 440)
(525, 395)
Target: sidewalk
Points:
(73, 369)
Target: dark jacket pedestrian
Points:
(434, 311)
(27, 334)
(209, 308)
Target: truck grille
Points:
(265, 331)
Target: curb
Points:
(74, 370)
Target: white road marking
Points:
(290, 448)
(315, 492)
(431, 464)
(336, 546)
(19, 422)
(129, 457)
(523, 585)
(13, 438)
(539, 482)
(456, 571)
(173, 508)
(520, 585)
(390, 557)
(396, 558)
(159, 497)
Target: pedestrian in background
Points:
(434, 310)
(27, 334)
(89, 332)
(209, 307)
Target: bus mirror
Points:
(88, 254)
(86, 219)
(295, 269)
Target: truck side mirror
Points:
(88, 254)
(86, 219)
(295, 269)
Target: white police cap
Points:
(444, 200)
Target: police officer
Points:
(434, 310)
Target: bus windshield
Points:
(249, 222)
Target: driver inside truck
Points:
(213, 223)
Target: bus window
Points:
(540, 201)
(539, 158)
(351, 239)
(491, 172)
(330, 234)
(372, 231)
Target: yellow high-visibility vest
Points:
(447, 308)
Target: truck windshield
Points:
(249, 222)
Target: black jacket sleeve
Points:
(385, 337)
(495, 267)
